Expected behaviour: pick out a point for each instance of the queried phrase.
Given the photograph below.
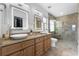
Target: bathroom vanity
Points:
(33, 45)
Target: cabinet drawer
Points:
(47, 44)
(27, 43)
(11, 48)
(39, 39)
(39, 46)
(39, 53)
(47, 37)
(19, 53)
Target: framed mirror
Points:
(38, 22)
(19, 18)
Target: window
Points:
(52, 25)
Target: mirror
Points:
(38, 22)
(19, 18)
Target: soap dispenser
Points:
(31, 32)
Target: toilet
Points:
(54, 42)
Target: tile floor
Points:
(64, 48)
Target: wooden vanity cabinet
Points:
(22, 48)
(32, 47)
(29, 51)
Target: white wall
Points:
(1, 18)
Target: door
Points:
(29, 51)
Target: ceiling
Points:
(60, 9)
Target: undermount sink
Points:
(18, 36)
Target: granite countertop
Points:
(13, 41)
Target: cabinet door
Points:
(29, 51)
(39, 48)
(47, 44)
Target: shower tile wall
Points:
(67, 22)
